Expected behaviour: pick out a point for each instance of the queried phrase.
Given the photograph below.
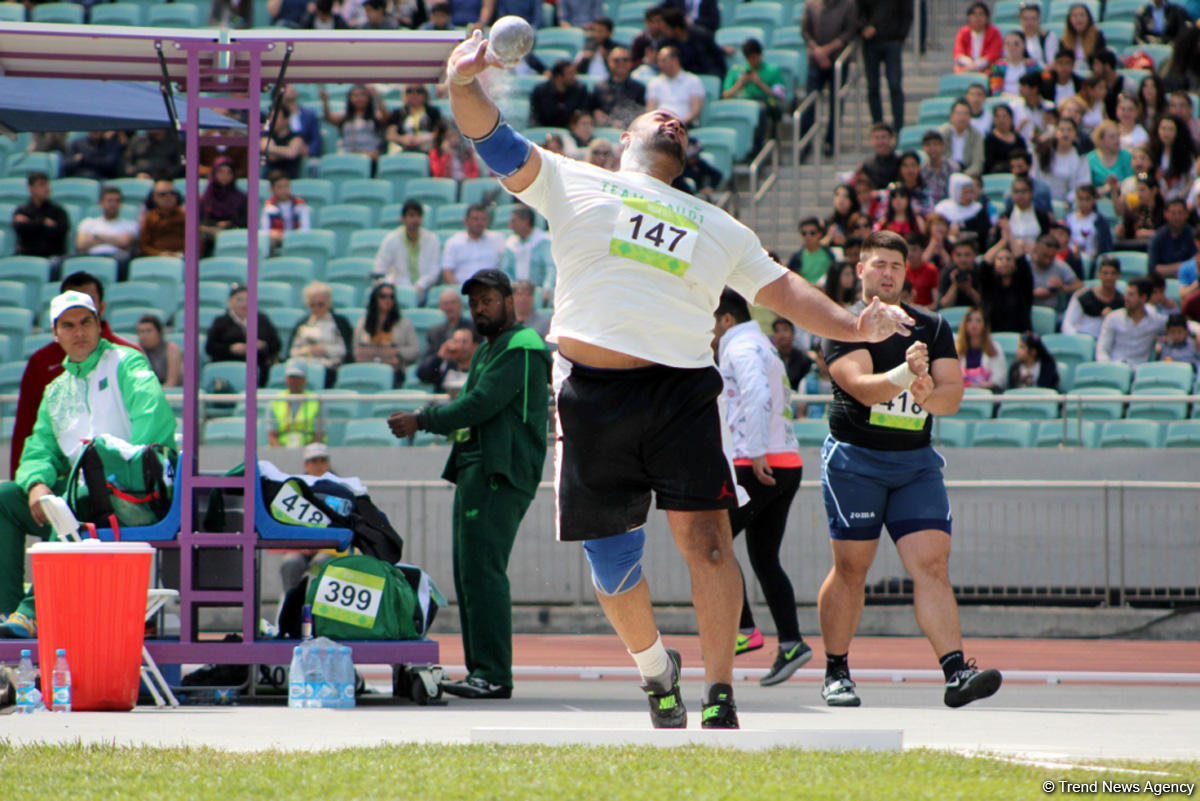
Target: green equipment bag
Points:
(364, 598)
(134, 483)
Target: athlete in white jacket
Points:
(768, 466)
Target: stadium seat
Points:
(372, 193)
(954, 85)
(1076, 434)
(369, 434)
(1163, 375)
(450, 215)
(934, 111)
(768, 15)
(365, 244)
(1131, 434)
(1133, 262)
(1122, 9)
(226, 269)
(1056, 16)
(951, 433)
(350, 270)
(722, 141)
(12, 12)
(126, 318)
(1093, 405)
(174, 15)
(14, 191)
(480, 190)
(571, 39)
(1069, 350)
(126, 294)
(732, 37)
(1044, 320)
(953, 315)
(1029, 403)
(1113, 375)
(19, 165)
(365, 378)
(910, 138)
(212, 293)
(231, 373)
(1158, 409)
(1159, 52)
(791, 38)
(1117, 33)
(66, 13)
(235, 242)
(225, 431)
(740, 115)
(344, 166)
(1007, 342)
(1002, 434)
(129, 14)
(296, 269)
(133, 190)
(166, 271)
(80, 191)
(810, 433)
(398, 168)
(996, 184)
(792, 62)
(316, 245)
(103, 267)
(277, 294)
(433, 191)
(317, 192)
(343, 219)
(977, 404)
(424, 319)
(1183, 434)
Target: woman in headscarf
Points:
(962, 209)
(222, 205)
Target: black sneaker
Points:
(476, 687)
(787, 663)
(971, 684)
(720, 712)
(666, 708)
(839, 691)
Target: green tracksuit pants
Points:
(16, 523)
(487, 513)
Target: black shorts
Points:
(625, 433)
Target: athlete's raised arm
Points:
(506, 152)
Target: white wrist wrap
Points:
(900, 375)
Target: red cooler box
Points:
(91, 600)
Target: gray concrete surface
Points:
(1038, 721)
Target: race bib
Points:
(349, 596)
(649, 232)
(290, 506)
(900, 412)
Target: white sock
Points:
(654, 664)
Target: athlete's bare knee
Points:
(851, 572)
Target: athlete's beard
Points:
(640, 154)
(892, 298)
(490, 328)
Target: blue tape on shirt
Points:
(504, 150)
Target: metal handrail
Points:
(800, 142)
(837, 92)
(757, 191)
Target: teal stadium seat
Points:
(235, 242)
(175, 15)
(1111, 375)
(1094, 405)
(768, 15)
(350, 270)
(810, 433)
(1002, 434)
(1117, 33)
(1183, 434)
(225, 269)
(1163, 375)
(343, 219)
(12, 12)
(126, 294)
(298, 269)
(19, 165)
(955, 84)
(424, 319)
(365, 378)
(344, 166)
(481, 190)
(80, 191)
(732, 37)
(1029, 403)
(317, 192)
(372, 193)
(951, 433)
(1164, 410)
(133, 190)
(129, 14)
(369, 434)
(1131, 434)
(569, 39)
(432, 191)
(225, 431)
(316, 245)
(66, 13)
(740, 115)
(10, 376)
(977, 404)
(1133, 263)
(365, 243)
(1051, 434)
(953, 315)
(1044, 320)
(278, 295)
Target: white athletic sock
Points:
(654, 664)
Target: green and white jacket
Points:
(114, 391)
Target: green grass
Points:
(529, 773)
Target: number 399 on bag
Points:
(349, 596)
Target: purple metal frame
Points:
(243, 72)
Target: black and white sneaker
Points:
(786, 663)
(971, 684)
(476, 687)
(719, 711)
(666, 706)
(839, 691)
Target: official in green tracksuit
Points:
(103, 389)
(498, 425)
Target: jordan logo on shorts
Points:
(725, 491)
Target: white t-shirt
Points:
(674, 94)
(99, 225)
(640, 265)
(1135, 138)
(465, 256)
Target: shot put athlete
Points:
(641, 268)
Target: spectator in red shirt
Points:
(978, 44)
(922, 275)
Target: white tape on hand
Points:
(900, 375)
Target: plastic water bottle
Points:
(327, 692)
(314, 677)
(306, 624)
(345, 678)
(60, 681)
(26, 689)
(296, 680)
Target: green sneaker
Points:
(748, 642)
(787, 663)
(666, 707)
(720, 712)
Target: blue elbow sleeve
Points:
(503, 150)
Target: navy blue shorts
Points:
(865, 488)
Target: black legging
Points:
(764, 518)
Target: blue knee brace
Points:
(616, 561)
(504, 150)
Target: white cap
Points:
(315, 450)
(69, 300)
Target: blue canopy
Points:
(55, 104)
